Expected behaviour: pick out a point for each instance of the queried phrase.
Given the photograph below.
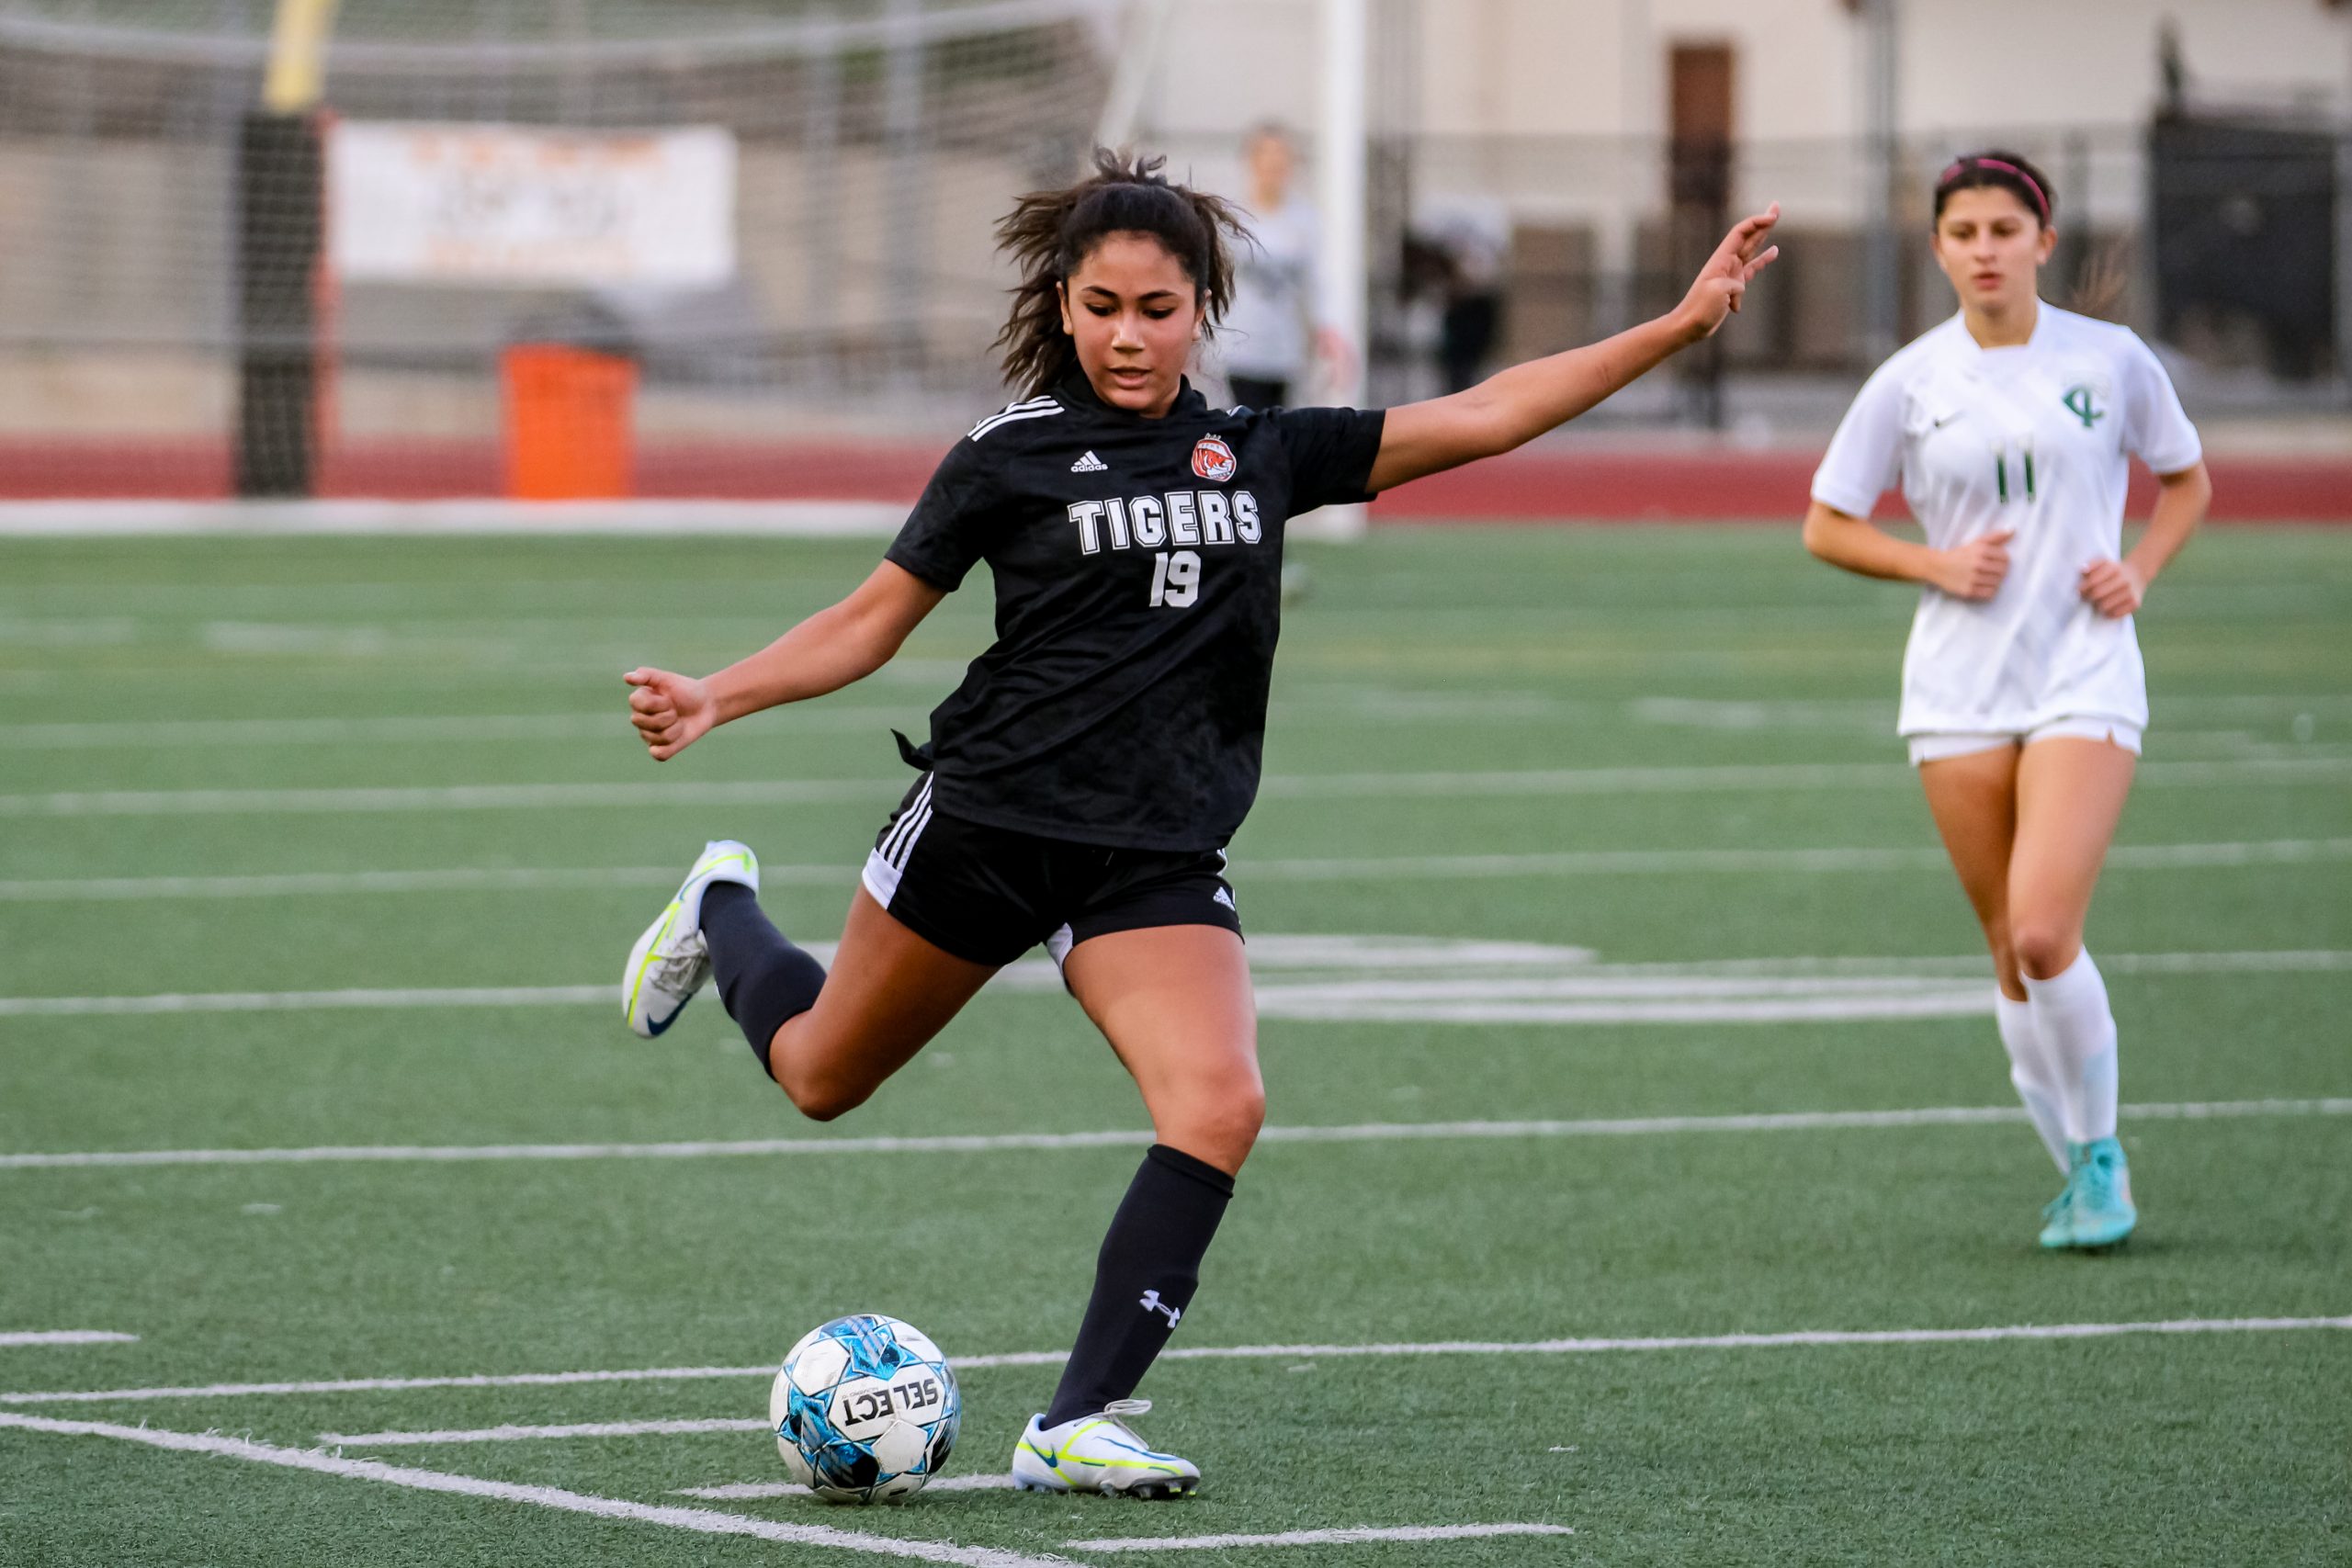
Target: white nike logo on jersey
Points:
(1090, 464)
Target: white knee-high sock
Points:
(2029, 1071)
(2071, 1019)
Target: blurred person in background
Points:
(2010, 429)
(1271, 336)
(1459, 250)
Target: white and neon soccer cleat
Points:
(1100, 1453)
(671, 961)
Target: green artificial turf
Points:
(1542, 704)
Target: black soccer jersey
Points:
(1138, 597)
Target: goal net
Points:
(509, 221)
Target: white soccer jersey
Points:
(2036, 439)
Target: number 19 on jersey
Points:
(1175, 579)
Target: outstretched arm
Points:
(1514, 406)
(845, 642)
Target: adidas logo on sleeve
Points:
(1090, 464)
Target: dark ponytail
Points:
(1049, 233)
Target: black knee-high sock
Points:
(762, 979)
(1143, 1279)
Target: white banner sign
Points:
(503, 204)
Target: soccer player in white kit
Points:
(2009, 428)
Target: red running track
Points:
(1648, 483)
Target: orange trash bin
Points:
(569, 414)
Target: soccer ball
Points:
(864, 1410)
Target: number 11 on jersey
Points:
(1175, 579)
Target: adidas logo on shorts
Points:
(1090, 464)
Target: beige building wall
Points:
(1506, 71)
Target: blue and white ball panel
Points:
(864, 1409)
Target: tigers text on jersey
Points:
(2036, 439)
(1138, 597)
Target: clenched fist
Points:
(671, 712)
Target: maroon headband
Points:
(2041, 202)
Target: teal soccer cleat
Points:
(2095, 1208)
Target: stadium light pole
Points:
(2344, 221)
(280, 240)
(1341, 267)
(1881, 256)
(1144, 32)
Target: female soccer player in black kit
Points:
(1081, 783)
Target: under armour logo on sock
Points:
(1151, 1303)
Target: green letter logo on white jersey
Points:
(2083, 406)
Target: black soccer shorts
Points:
(989, 895)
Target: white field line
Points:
(282, 1001)
(1373, 868)
(746, 1490)
(1008, 1142)
(65, 1336)
(1797, 1339)
(1387, 707)
(247, 734)
(1737, 991)
(1966, 1002)
(1872, 717)
(1715, 778)
(453, 797)
(703, 1521)
(1360, 1002)
(535, 519)
(345, 883)
(510, 1434)
(1349, 1536)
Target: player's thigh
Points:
(1974, 800)
(888, 993)
(1175, 1003)
(2071, 794)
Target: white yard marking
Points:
(703, 1521)
(1370, 868)
(403, 519)
(1013, 1143)
(388, 1385)
(452, 797)
(1350, 1537)
(1874, 717)
(286, 1001)
(1317, 979)
(1538, 1001)
(1653, 863)
(65, 1336)
(511, 1434)
(245, 734)
(1538, 782)
(748, 1491)
(1796, 1339)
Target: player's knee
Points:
(2043, 947)
(821, 1098)
(1223, 1127)
(1245, 1117)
